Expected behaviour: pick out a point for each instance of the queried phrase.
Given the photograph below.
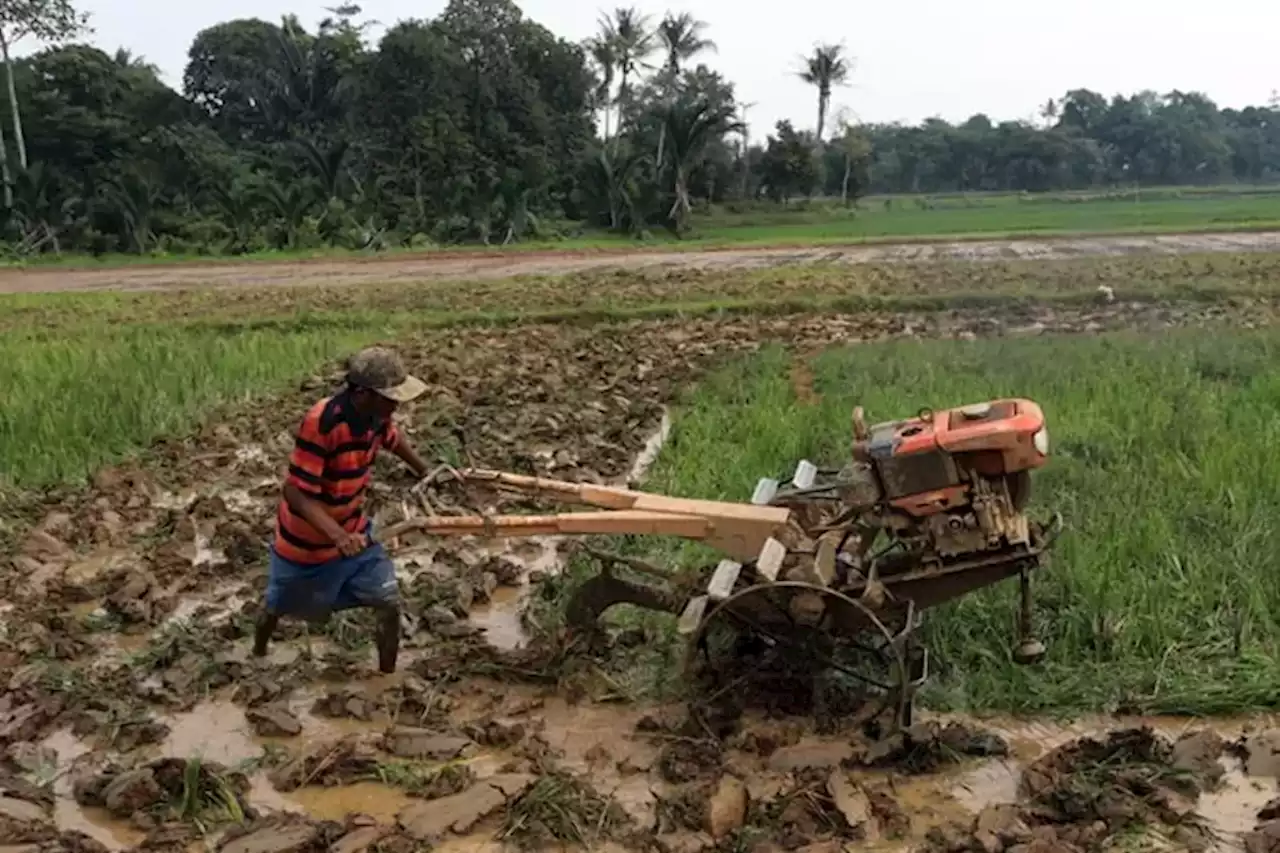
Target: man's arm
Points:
(313, 512)
(395, 441)
(410, 457)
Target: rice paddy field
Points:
(143, 432)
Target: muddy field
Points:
(132, 715)
(408, 268)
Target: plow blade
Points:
(598, 594)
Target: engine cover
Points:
(927, 463)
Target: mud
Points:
(130, 666)
(478, 265)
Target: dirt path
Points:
(410, 268)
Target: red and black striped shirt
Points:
(331, 462)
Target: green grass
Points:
(72, 403)
(880, 219)
(997, 217)
(1161, 595)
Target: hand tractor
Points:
(825, 574)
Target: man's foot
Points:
(262, 633)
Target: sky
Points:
(913, 60)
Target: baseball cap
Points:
(381, 370)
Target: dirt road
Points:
(420, 267)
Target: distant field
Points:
(884, 219)
(86, 378)
(1160, 596)
(996, 215)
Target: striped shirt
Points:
(331, 461)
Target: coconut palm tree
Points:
(826, 68)
(682, 39)
(629, 35)
(600, 50)
(690, 127)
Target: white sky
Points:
(914, 59)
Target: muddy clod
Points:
(342, 703)
(359, 839)
(1262, 753)
(326, 763)
(809, 755)
(1086, 791)
(171, 837)
(1200, 753)
(925, 747)
(1265, 838)
(496, 733)
(21, 811)
(167, 787)
(132, 791)
(407, 742)
(727, 807)
(286, 834)
(852, 802)
(262, 688)
(432, 820)
(504, 570)
(31, 757)
(687, 759)
(273, 721)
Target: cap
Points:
(381, 370)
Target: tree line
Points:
(482, 126)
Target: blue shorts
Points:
(314, 591)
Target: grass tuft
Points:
(560, 808)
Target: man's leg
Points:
(293, 589)
(267, 622)
(388, 637)
(374, 585)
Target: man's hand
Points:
(410, 457)
(350, 544)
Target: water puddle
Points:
(214, 607)
(68, 815)
(374, 799)
(652, 447)
(218, 731)
(501, 618)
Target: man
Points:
(323, 558)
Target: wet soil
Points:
(490, 265)
(132, 715)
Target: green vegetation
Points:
(88, 378)
(890, 219)
(1160, 594)
(72, 404)
(482, 127)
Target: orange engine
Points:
(959, 477)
